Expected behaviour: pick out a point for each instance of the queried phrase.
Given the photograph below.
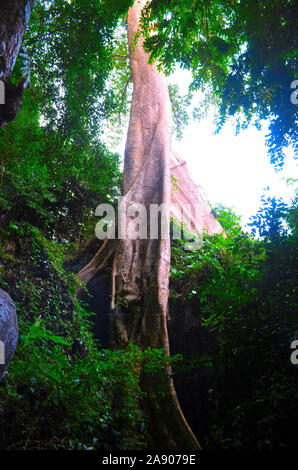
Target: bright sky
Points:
(232, 170)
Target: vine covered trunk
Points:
(140, 266)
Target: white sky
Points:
(234, 170)
(231, 170)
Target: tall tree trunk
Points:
(140, 268)
(14, 16)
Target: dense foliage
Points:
(50, 181)
(55, 167)
(62, 390)
(245, 294)
(245, 51)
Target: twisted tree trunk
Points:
(140, 267)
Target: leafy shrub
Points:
(244, 289)
(62, 391)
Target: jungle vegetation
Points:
(63, 389)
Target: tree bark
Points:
(14, 16)
(140, 267)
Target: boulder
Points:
(8, 331)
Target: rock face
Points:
(98, 299)
(8, 331)
(188, 337)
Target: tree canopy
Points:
(246, 51)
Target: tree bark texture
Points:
(14, 16)
(140, 267)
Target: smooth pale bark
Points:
(140, 268)
(14, 16)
